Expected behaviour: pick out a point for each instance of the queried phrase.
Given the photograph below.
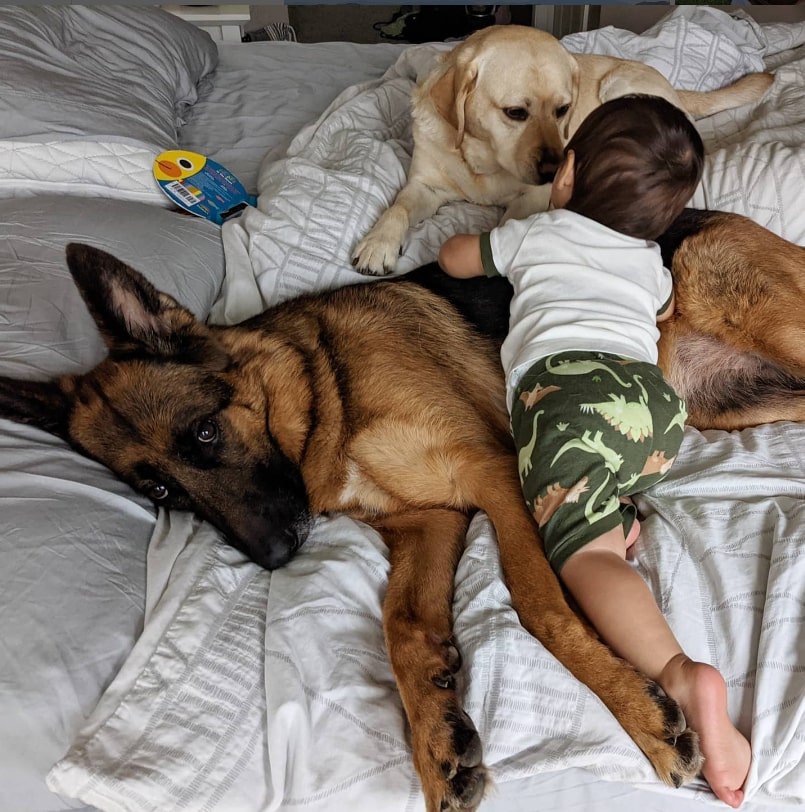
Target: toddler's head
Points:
(632, 165)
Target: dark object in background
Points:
(418, 24)
(283, 32)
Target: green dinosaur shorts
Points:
(590, 428)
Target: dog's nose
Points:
(547, 164)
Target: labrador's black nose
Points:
(547, 164)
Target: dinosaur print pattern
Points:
(524, 463)
(556, 496)
(657, 464)
(581, 367)
(631, 419)
(679, 418)
(532, 398)
(593, 445)
(605, 431)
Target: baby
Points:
(593, 419)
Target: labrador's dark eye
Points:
(207, 432)
(560, 112)
(516, 113)
(158, 492)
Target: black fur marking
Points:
(313, 407)
(35, 403)
(690, 222)
(687, 745)
(340, 371)
(482, 301)
(187, 447)
(466, 742)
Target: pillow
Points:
(45, 328)
(76, 71)
(89, 96)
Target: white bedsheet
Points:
(252, 691)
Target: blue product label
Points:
(201, 186)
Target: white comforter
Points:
(252, 691)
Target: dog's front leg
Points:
(533, 199)
(376, 254)
(425, 547)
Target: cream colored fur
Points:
(466, 147)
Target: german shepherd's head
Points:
(170, 414)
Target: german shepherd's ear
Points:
(43, 404)
(131, 314)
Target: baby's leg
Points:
(624, 612)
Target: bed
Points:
(147, 666)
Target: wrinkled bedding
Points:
(73, 537)
(90, 95)
(263, 94)
(251, 691)
(341, 172)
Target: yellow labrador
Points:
(491, 121)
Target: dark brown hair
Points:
(638, 160)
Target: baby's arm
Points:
(460, 256)
(669, 311)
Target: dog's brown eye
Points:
(207, 432)
(562, 111)
(158, 492)
(516, 113)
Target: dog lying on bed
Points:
(384, 402)
(491, 121)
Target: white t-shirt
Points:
(578, 285)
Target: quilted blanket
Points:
(263, 691)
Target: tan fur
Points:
(740, 287)
(465, 148)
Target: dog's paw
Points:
(447, 748)
(675, 754)
(464, 775)
(376, 255)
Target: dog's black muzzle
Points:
(271, 518)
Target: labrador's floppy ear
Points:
(43, 404)
(131, 314)
(450, 94)
(576, 79)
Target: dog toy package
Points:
(201, 186)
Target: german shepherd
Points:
(386, 402)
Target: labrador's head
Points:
(509, 91)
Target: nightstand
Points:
(223, 23)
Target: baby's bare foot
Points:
(702, 694)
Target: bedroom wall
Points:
(265, 15)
